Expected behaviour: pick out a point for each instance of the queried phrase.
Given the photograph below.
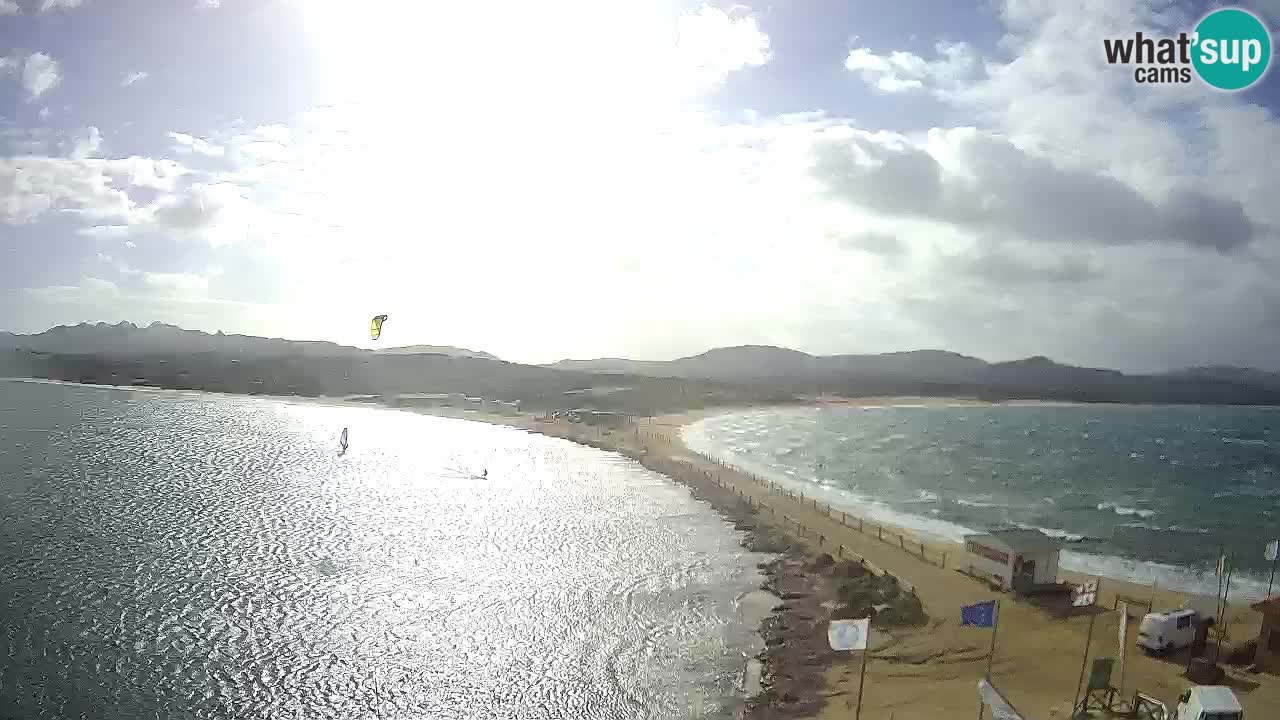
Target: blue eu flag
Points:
(979, 615)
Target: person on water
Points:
(343, 442)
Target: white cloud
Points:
(104, 232)
(44, 113)
(40, 74)
(31, 186)
(711, 44)
(208, 4)
(9, 64)
(986, 184)
(90, 189)
(895, 73)
(87, 145)
(134, 77)
(901, 71)
(185, 284)
(99, 286)
(219, 213)
(146, 173)
(184, 143)
(48, 5)
(9, 7)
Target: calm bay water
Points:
(1146, 493)
(179, 555)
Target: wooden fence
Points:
(886, 534)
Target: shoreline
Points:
(915, 671)
(927, 671)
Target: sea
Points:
(1150, 494)
(169, 554)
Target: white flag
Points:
(1000, 708)
(1083, 596)
(849, 634)
(1272, 548)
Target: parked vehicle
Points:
(1162, 632)
(1209, 702)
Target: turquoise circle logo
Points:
(1232, 49)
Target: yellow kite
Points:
(375, 327)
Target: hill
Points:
(169, 356)
(436, 350)
(943, 373)
(126, 339)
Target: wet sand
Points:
(913, 673)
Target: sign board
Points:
(1085, 595)
(849, 634)
(988, 552)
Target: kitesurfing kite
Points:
(375, 326)
(343, 441)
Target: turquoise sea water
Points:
(1146, 493)
(183, 555)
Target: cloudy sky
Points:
(585, 178)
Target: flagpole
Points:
(995, 625)
(1273, 573)
(1084, 661)
(1222, 619)
(862, 677)
(1218, 570)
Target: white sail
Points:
(343, 441)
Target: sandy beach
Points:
(922, 672)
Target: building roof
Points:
(1020, 541)
(1218, 699)
(1271, 605)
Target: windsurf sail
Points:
(375, 326)
(343, 440)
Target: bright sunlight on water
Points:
(199, 556)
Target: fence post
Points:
(944, 561)
(880, 532)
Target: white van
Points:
(1162, 632)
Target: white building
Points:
(1014, 559)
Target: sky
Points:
(645, 179)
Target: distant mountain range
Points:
(126, 339)
(937, 371)
(206, 360)
(160, 355)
